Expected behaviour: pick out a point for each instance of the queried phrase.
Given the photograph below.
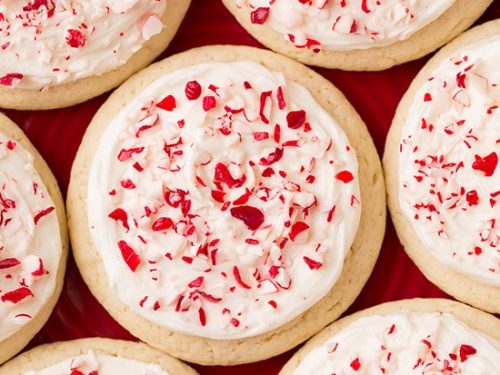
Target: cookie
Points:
(213, 191)
(95, 355)
(441, 167)
(59, 53)
(355, 34)
(34, 243)
(404, 337)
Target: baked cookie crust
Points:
(483, 296)
(460, 16)
(86, 88)
(50, 354)
(13, 344)
(472, 317)
(357, 266)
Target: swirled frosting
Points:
(51, 42)
(344, 24)
(99, 364)
(404, 343)
(223, 200)
(448, 174)
(30, 243)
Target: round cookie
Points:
(96, 354)
(457, 255)
(355, 35)
(23, 275)
(60, 81)
(406, 315)
(358, 262)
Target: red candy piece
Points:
(75, 38)
(356, 365)
(129, 256)
(251, 216)
(486, 164)
(298, 228)
(167, 103)
(8, 263)
(120, 215)
(312, 264)
(259, 16)
(192, 90)
(17, 295)
(466, 351)
(42, 213)
(162, 223)
(344, 176)
(11, 79)
(295, 119)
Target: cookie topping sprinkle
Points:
(230, 212)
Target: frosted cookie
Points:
(419, 336)
(441, 164)
(95, 356)
(355, 34)
(226, 204)
(57, 53)
(33, 240)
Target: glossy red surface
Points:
(57, 135)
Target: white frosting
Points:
(208, 246)
(99, 364)
(51, 42)
(345, 24)
(30, 244)
(403, 344)
(451, 196)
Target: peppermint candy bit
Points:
(356, 364)
(312, 264)
(11, 79)
(167, 103)
(239, 280)
(202, 316)
(209, 103)
(129, 255)
(272, 158)
(466, 351)
(295, 119)
(192, 90)
(162, 224)
(486, 164)
(17, 295)
(42, 213)
(298, 228)
(344, 176)
(259, 16)
(252, 217)
(126, 154)
(75, 38)
(8, 263)
(121, 216)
